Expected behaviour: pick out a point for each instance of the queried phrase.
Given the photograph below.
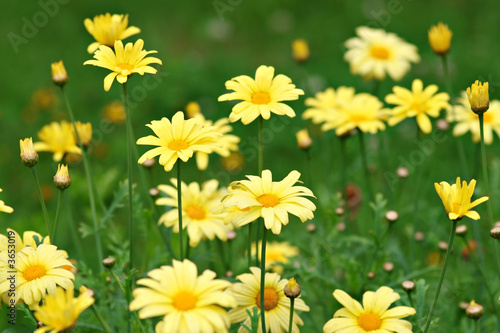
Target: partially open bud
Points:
(84, 132)
(192, 109)
(474, 310)
(62, 179)
(300, 50)
(408, 286)
(440, 38)
(29, 156)
(59, 74)
(292, 289)
(478, 96)
(108, 262)
(304, 141)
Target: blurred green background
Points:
(204, 43)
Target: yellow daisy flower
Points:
(60, 311)
(29, 239)
(198, 216)
(468, 121)
(419, 102)
(456, 199)
(178, 139)
(107, 29)
(272, 201)
(276, 304)
(262, 96)
(227, 142)
(325, 104)
(373, 316)
(58, 139)
(364, 112)
(123, 62)
(84, 132)
(4, 208)
(188, 302)
(38, 271)
(114, 112)
(375, 53)
(277, 253)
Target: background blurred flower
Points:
(107, 29)
(325, 104)
(197, 210)
(4, 208)
(419, 102)
(300, 50)
(440, 38)
(277, 253)
(260, 97)
(188, 302)
(57, 138)
(468, 121)
(375, 53)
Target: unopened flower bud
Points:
(495, 232)
(474, 310)
(419, 236)
(84, 132)
(300, 50)
(461, 230)
(231, 234)
(391, 216)
(440, 38)
(341, 226)
(229, 274)
(59, 74)
(29, 156)
(388, 267)
(402, 172)
(149, 163)
(443, 246)
(192, 109)
(371, 275)
(311, 227)
(339, 211)
(89, 291)
(463, 305)
(478, 96)
(154, 192)
(304, 141)
(62, 179)
(442, 125)
(39, 324)
(108, 262)
(408, 286)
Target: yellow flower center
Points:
(487, 118)
(417, 106)
(271, 299)
(124, 67)
(369, 322)
(34, 272)
(379, 52)
(261, 98)
(178, 145)
(184, 301)
(268, 200)
(195, 212)
(359, 118)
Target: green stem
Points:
(290, 323)
(88, 176)
(129, 167)
(42, 202)
(447, 76)
(487, 187)
(441, 278)
(249, 250)
(179, 209)
(476, 326)
(56, 222)
(365, 164)
(263, 280)
(343, 155)
(100, 319)
(261, 145)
